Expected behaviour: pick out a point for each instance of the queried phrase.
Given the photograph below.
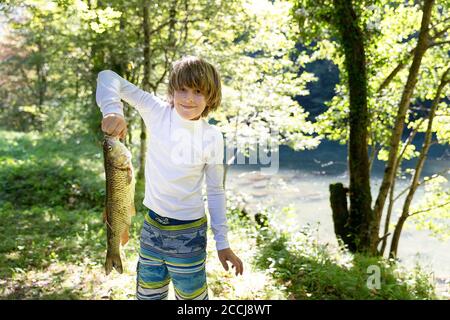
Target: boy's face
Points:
(190, 103)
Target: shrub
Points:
(311, 270)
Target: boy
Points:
(182, 149)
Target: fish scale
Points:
(119, 200)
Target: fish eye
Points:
(109, 148)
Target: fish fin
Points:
(124, 237)
(105, 219)
(113, 261)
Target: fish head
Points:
(116, 152)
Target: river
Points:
(302, 182)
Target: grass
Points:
(59, 254)
(315, 271)
(53, 241)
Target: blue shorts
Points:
(172, 249)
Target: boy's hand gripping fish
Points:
(119, 204)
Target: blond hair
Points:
(198, 74)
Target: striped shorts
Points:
(172, 250)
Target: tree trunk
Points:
(419, 167)
(389, 172)
(142, 150)
(373, 155)
(338, 201)
(388, 219)
(119, 64)
(145, 84)
(97, 58)
(360, 217)
(41, 76)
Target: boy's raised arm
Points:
(112, 88)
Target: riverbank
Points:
(307, 197)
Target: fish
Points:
(119, 199)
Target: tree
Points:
(351, 37)
(250, 42)
(393, 33)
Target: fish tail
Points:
(113, 261)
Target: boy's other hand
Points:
(228, 255)
(114, 124)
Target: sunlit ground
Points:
(83, 276)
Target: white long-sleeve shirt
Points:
(180, 154)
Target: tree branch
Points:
(384, 237)
(433, 26)
(409, 140)
(394, 72)
(402, 64)
(434, 44)
(421, 182)
(405, 101)
(429, 209)
(441, 32)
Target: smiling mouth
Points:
(187, 107)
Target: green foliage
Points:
(23, 118)
(311, 270)
(59, 47)
(50, 171)
(433, 212)
(26, 185)
(390, 29)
